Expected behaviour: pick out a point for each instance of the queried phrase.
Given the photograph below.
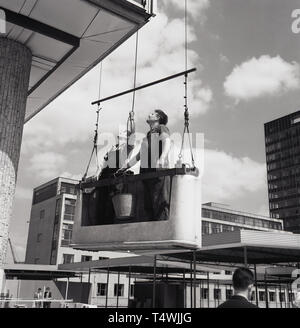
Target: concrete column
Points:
(15, 64)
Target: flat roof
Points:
(236, 212)
(68, 38)
(36, 272)
(261, 248)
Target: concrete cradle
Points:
(182, 230)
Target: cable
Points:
(186, 109)
(95, 141)
(130, 121)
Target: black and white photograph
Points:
(149, 157)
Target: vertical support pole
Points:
(194, 260)
(184, 290)
(245, 257)
(15, 66)
(191, 283)
(129, 284)
(280, 293)
(118, 284)
(154, 283)
(67, 289)
(256, 289)
(208, 290)
(200, 288)
(107, 289)
(286, 298)
(266, 291)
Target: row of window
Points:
(69, 258)
(240, 219)
(277, 135)
(118, 290)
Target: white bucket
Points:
(124, 205)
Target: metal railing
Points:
(148, 5)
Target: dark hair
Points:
(163, 117)
(242, 279)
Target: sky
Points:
(248, 73)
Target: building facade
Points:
(282, 141)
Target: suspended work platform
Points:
(98, 228)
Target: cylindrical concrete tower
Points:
(15, 64)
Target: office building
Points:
(282, 140)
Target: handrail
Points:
(137, 177)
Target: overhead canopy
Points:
(36, 272)
(253, 247)
(135, 264)
(68, 38)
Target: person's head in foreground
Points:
(243, 281)
(157, 117)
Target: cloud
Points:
(196, 8)
(262, 76)
(227, 177)
(47, 165)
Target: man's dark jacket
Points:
(237, 301)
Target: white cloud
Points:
(228, 178)
(195, 7)
(262, 76)
(47, 165)
(69, 175)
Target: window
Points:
(42, 214)
(272, 296)
(282, 297)
(68, 258)
(39, 237)
(205, 228)
(69, 209)
(66, 234)
(67, 188)
(101, 289)
(103, 258)
(261, 296)
(229, 293)
(217, 294)
(227, 228)
(86, 258)
(119, 290)
(216, 228)
(204, 293)
(227, 272)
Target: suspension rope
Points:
(130, 121)
(95, 140)
(186, 129)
